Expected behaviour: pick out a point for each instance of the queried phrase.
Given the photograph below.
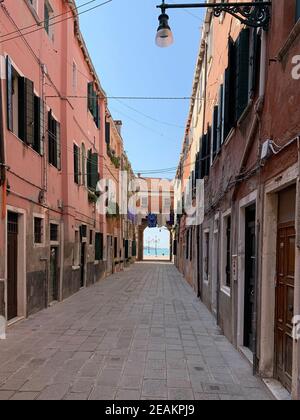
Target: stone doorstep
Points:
(278, 392)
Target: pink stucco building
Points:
(53, 242)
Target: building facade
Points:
(242, 139)
(53, 152)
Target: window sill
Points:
(245, 113)
(35, 245)
(229, 137)
(226, 290)
(290, 41)
(27, 146)
(76, 267)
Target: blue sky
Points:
(120, 38)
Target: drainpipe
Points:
(259, 217)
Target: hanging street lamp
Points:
(255, 14)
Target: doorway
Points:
(250, 277)
(285, 304)
(285, 285)
(53, 285)
(12, 265)
(82, 265)
(157, 244)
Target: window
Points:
(53, 232)
(93, 105)
(77, 249)
(187, 245)
(126, 246)
(54, 142)
(242, 73)
(116, 248)
(226, 253)
(83, 165)
(215, 134)
(91, 236)
(76, 153)
(98, 246)
(297, 10)
(38, 230)
(206, 257)
(92, 170)
(48, 15)
(205, 155)
(134, 248)
(107, 132)
(191, 244)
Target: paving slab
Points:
(140, 334)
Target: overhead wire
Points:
(21, 35)
(44, 21)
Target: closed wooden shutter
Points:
(90, 96)
(208, 152)
(89, 169)
(227, 92)
(26, 110)
(94, 171)
(42, 128)
(215, 133)
(76, 164)
(255, 60)
(9, 88)
(37, 124)
(107, 132)
(203, 156)
(242, 72)
(220, 120)
(58, 146)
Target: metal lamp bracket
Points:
(255, 14)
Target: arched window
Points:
(83, 164)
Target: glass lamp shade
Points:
(164, 38)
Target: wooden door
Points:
(12, 266)
(285, 304)
(250, 278)
(53, 286)
(82, 265)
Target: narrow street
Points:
(140, 334)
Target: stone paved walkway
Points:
(141, 334)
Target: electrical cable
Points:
(44, 21)
(56, 23)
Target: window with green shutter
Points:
(107, 132)
(76, 164)
(134, 248)
(54, 142)
(93, 170)
(242, 73)
(215, 133)
(93, 105)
